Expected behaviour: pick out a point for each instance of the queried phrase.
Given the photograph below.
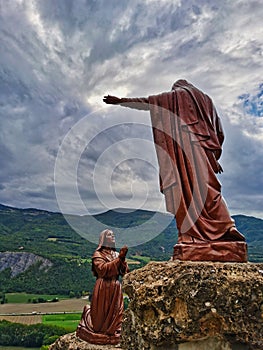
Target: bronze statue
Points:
(188, 138)
(101, 322)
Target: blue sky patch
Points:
(253, 104)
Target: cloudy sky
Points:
(63, 149)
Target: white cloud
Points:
(63, 56)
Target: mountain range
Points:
(49, 236)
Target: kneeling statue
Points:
(101, 322)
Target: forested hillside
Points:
(48, 235)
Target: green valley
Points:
(67, 265)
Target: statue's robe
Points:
(188, 138)
(101, 322)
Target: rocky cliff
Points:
(194, 305)
(19, 262)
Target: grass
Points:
(66, 305)
(18, 298)
(67, 321)
(132, 262)
(144, 259)
(5, 347)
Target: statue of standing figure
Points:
(188, 138)
(101, 321)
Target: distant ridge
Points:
(48, 235)
(115, 210)
(33, 228)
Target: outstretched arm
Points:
(141, 103)
(111, 100)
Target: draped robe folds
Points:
(188, 138)
(101, 322)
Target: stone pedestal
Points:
(184, 305)
(211, 251)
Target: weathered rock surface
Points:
(71, 342)
(194, 305)
(21, 261)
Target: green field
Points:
(67, 321)
(144, 259)
(18, 298)
(16, 348)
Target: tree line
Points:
(17, 334)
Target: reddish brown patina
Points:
(101, 322)
(188, 138)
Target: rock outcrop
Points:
(71, 342)
(188, 306)
(194, 305)
(19, 262)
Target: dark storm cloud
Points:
(58, 59)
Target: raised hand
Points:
(111, 100)
(123, 252)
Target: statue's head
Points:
(107, 239)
